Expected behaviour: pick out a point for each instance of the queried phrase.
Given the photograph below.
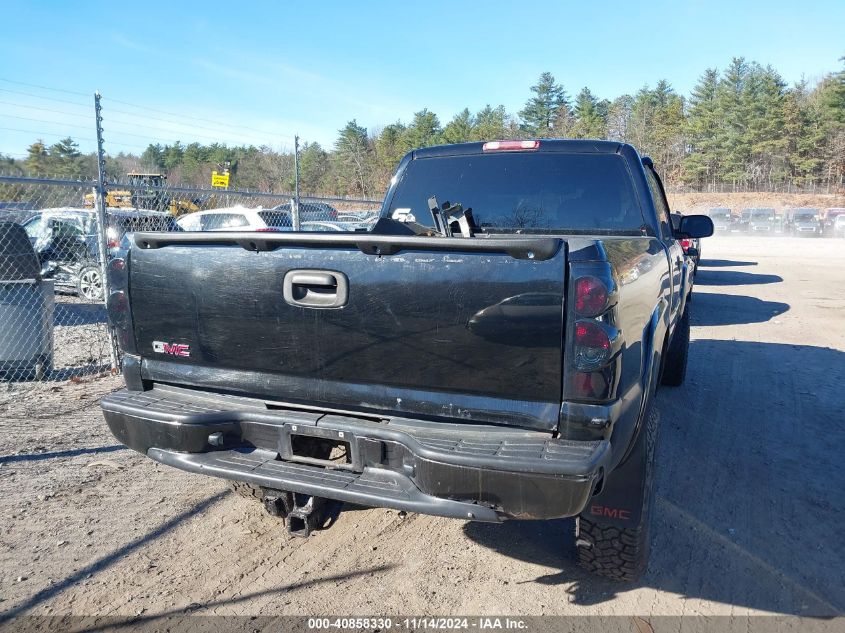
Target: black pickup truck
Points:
(489, 350)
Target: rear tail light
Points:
(591, 295)
(685, 244)
(117, 273)
(592, 347)
(118, 308)
(509, 146)
(592, 340)
(119, 311)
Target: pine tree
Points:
(804, 135)
(172, 155)
(657, 127)
(833, 97)
(619, 118)
(313, 168)
(491, 124)
(424, 130)
(588, 120)
(390, 146)
(733, 142)
(37, 160)
(459, 129)
(153, 157)
(702, 131)
(763, 102)
(830, 97)
(351, 157)
(67, 158)
(542, 111)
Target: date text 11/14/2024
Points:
(417, 623)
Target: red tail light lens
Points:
(685, 244)
(509, 146)
(118, 309)
(592, 345)
(590, 296)
(117, 273)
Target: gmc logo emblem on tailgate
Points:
(174, 349)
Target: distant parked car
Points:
(829, 221)
(18, 215)
(230, 219)
(308, 212)
(803, 221)
(722, 219)
(359, 217)
(323, 226)
(276, 219)
(65, 240)
(839, 226)
(758, 221)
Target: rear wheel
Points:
(675, 363)
(615, 552)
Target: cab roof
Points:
(575, 146)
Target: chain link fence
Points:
(53, 319)
(53, 325)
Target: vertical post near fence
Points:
(295, 202)
(102, 224)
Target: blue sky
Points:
(259, 72)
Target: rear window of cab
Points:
(543, 192)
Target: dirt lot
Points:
(700, 202)
(749, 518)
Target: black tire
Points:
(89, 283)
(675, 363)
(621, 553)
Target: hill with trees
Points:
(742, 126)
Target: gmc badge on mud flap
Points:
(174, 349)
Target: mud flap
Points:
(623, 492)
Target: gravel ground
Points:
(749, 510)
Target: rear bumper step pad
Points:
(373, 487)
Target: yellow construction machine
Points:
(148, 192)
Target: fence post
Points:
(102, 224)
(295, 201)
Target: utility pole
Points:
(102, 226)
(295, 201)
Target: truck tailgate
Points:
(429, 331)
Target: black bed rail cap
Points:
(536, 248)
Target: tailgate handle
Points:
(316, 289)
